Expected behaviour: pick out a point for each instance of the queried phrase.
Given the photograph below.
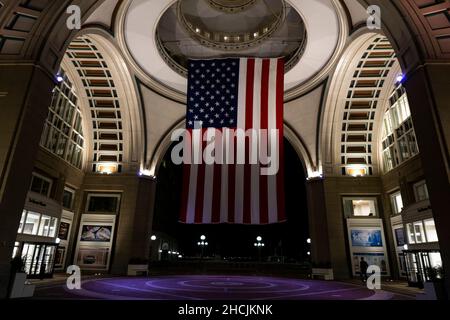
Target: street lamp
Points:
(152, 240)
(308, 241)
(202, 244)
(259, 245)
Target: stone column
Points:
(318, 224)
(428, 89)
(25, 94)
(143, 219)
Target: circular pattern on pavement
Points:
(203, 287)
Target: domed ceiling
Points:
(195, 29)
(160, 36)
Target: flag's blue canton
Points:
(213, 88)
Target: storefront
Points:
(39, 259)
(37, 242)
(423, 266)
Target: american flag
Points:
(227, 95)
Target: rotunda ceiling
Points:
(160, 36)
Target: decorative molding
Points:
(234, 41)
(431, 19)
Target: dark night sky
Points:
(236, 240)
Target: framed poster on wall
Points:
(377, 259)
(60, 256)
(400, 237)
(366, 240)
(96, 233)
(95, 239)
(93, 258)
(63, 233)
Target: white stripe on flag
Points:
(272, 124)
(196, 153)
(256, 215)
(240, 169)
(224, 182)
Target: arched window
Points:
(399, 139)
(63, 134)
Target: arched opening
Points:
(286, 242)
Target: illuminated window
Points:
(411, 236)
(419, 232)
(35, 224)
(397, 203)
(44, 226)
(63, 134)
(16, 249)
(22, 222)
(399, 139)
(430, 230)
(422, 231)
(360, 207)
(32, 223)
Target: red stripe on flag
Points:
(248, 125)
(231, 192)
(186, 180)
(184, 195)
(280, 127)
(217, 185)
(199, 197)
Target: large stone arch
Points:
(355, 104)
(107, 59)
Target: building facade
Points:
(87, 117)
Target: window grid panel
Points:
(63, 134)
(361, 105)
(103, 102)
(399, 142)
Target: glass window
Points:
(103, 203)
(419, 233)
(364, 208)
(32, 223)
(52, 230)
(421, 191)
(22, 221)
(397, 203)
(399, 140)
(44, 226)
(360, 207)
(411, 237)
(435, 259)
(430, 230)
(16, 249)
(63, 133)
(40, 185)
(68, 196)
